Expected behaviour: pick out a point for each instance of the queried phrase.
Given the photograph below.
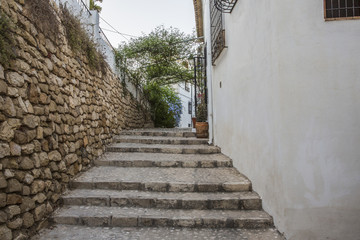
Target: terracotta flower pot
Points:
(202, 130)
(193, 119)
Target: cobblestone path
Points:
(161, 184)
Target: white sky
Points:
(135, 17)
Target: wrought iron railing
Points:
(200, 83)
(217, 31)
(225, 6)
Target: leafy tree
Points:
(162, 56)
(155, 61)
(165, 105)
(94, 6)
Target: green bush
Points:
(165, 105)
(201, 112)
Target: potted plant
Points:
(202, 127)
(193, 119)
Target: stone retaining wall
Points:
(56, 116)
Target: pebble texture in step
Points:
(71, 232)
(168, 200)
(163, 148)
(160, 140)
(162, 132)
(95, 216)
(124, 159)
(164, 179)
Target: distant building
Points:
(185, 92)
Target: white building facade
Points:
(285, 106)
(185, 93)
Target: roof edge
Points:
(198, 6)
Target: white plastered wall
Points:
(288, 113)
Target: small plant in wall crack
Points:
(44, 16)
(7, 51)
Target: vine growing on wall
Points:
(43, 15)
(7, 40)
(80, 42)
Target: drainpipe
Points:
(210, 97)
(207, 35)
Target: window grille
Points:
(190, 108)
(343, 9)
(217, 31)
(187, 87)
(226, 6)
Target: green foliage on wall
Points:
(44, 17)
(6, 40)
(80, 42)
(94, 6)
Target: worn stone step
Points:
(160, 140)
(162, 148)
(163, 179)
(126, 159)
(167, 200)
(73, 232)
(150, 217)
(164, 132)
(177, 129)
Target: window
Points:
(342, 9)
(187, 87)
(190, 108)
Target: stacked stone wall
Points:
(56, 116)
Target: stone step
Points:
(95, 216)
(162, 148)
(185, 129)
(163, 179)
(71, 232)
(187, 133)
(160, 140)
(126, 159)
(167, 200)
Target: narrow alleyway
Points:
(161, 184)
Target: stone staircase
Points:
(161, 184)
